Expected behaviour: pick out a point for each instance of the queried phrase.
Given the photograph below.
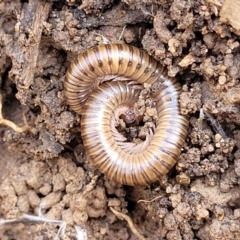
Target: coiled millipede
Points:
(98, 104)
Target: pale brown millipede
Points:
(97, 102)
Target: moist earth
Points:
(49, 188)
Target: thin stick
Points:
(12, 125)
(129, 221)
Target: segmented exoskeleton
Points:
(90, 93)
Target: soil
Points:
(46, 180)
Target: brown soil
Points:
(47, 180)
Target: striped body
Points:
(96, 103)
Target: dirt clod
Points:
(49, 188)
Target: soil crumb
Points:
(49, 188)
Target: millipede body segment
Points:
(91, 94)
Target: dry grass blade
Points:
(149, 201)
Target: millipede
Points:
(100, 84)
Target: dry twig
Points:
(12, 125)
(129, 221)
